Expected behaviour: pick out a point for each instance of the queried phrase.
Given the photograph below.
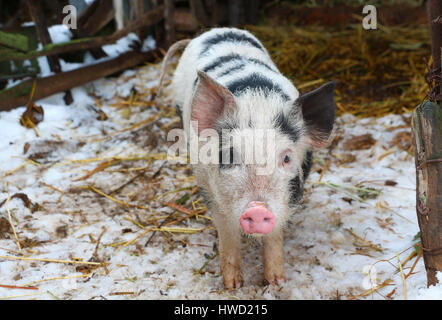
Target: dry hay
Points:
(378, 72)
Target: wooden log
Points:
(18, 95)
(427, 139)
(147, 19)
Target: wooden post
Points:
(199, 12)
(140, 10)
(252, 12)
(169, 22)
(35, 10)
(91, 20)
(235, 12)
(427, 133)
(435, 19)
(243, 12)
(427, 139)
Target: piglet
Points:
(226, 86)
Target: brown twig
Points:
(17, 287)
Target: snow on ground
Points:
(337, 246)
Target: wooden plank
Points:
(18, 95)
(14, 40)
(19, 69)
(147, 19)
(94, 18)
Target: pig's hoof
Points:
(232, 279)
(275, 279)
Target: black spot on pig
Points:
(307, 164)
(295, 189)
(285, 127)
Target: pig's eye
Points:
(285, 160)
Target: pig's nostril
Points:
(257, 219)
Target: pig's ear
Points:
(318, 110)
(209, 102)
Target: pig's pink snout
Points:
(257, 219)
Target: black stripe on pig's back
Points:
(230, 36)
(239, 62)
(221, 61)
(255, 81)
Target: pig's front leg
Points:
(230, 253)
(273, 257)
